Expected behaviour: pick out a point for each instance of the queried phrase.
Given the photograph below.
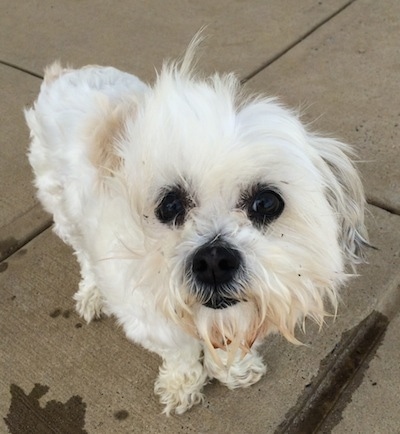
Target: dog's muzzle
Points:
(214, 268)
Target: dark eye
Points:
(172, 208)
(264, 206)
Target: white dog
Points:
(202, 219)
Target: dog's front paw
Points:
(242, 373)
(89, 302)
(180, 389)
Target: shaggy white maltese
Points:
(202, 219)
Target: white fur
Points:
(207, 136)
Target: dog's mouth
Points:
(219, 297)
(219, 301)
(233, 330)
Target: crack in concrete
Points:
(340, 374)
(11, 245)
(388, 208)
(296, 42)
(19, 68)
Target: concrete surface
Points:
(338, 59)
(346, 76)
(20, 215)
(138, 35)
(380, 385)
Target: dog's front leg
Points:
(181, 379)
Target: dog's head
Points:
(240, 220)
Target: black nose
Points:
(215, 264)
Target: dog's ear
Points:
(345, 194)
(105, 132)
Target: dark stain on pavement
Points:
(121, 414)
(26, 416)
(58, 312)
(55, 313)
(21, 252)
(8, 246)
(320, 407)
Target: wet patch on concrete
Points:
(59, 312)
(321, 405)
(121, 415)
(26, 416)
(8, 246)
(21, 252)
(20, 226)
(55, 313)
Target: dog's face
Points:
(240, 220)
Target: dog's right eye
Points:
(172, 207)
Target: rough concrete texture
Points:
(138, 35)
(377, 386)
(20, 214)
(58, 374)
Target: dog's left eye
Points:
(172, 208)
(265, 205)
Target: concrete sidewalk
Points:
(341, 61)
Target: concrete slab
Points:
(137, 35)
(374, 406)
(103, 383)
(346, 76)
(20, 215)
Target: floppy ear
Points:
(345, 194)
(104, 131)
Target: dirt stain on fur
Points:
(26, 416)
